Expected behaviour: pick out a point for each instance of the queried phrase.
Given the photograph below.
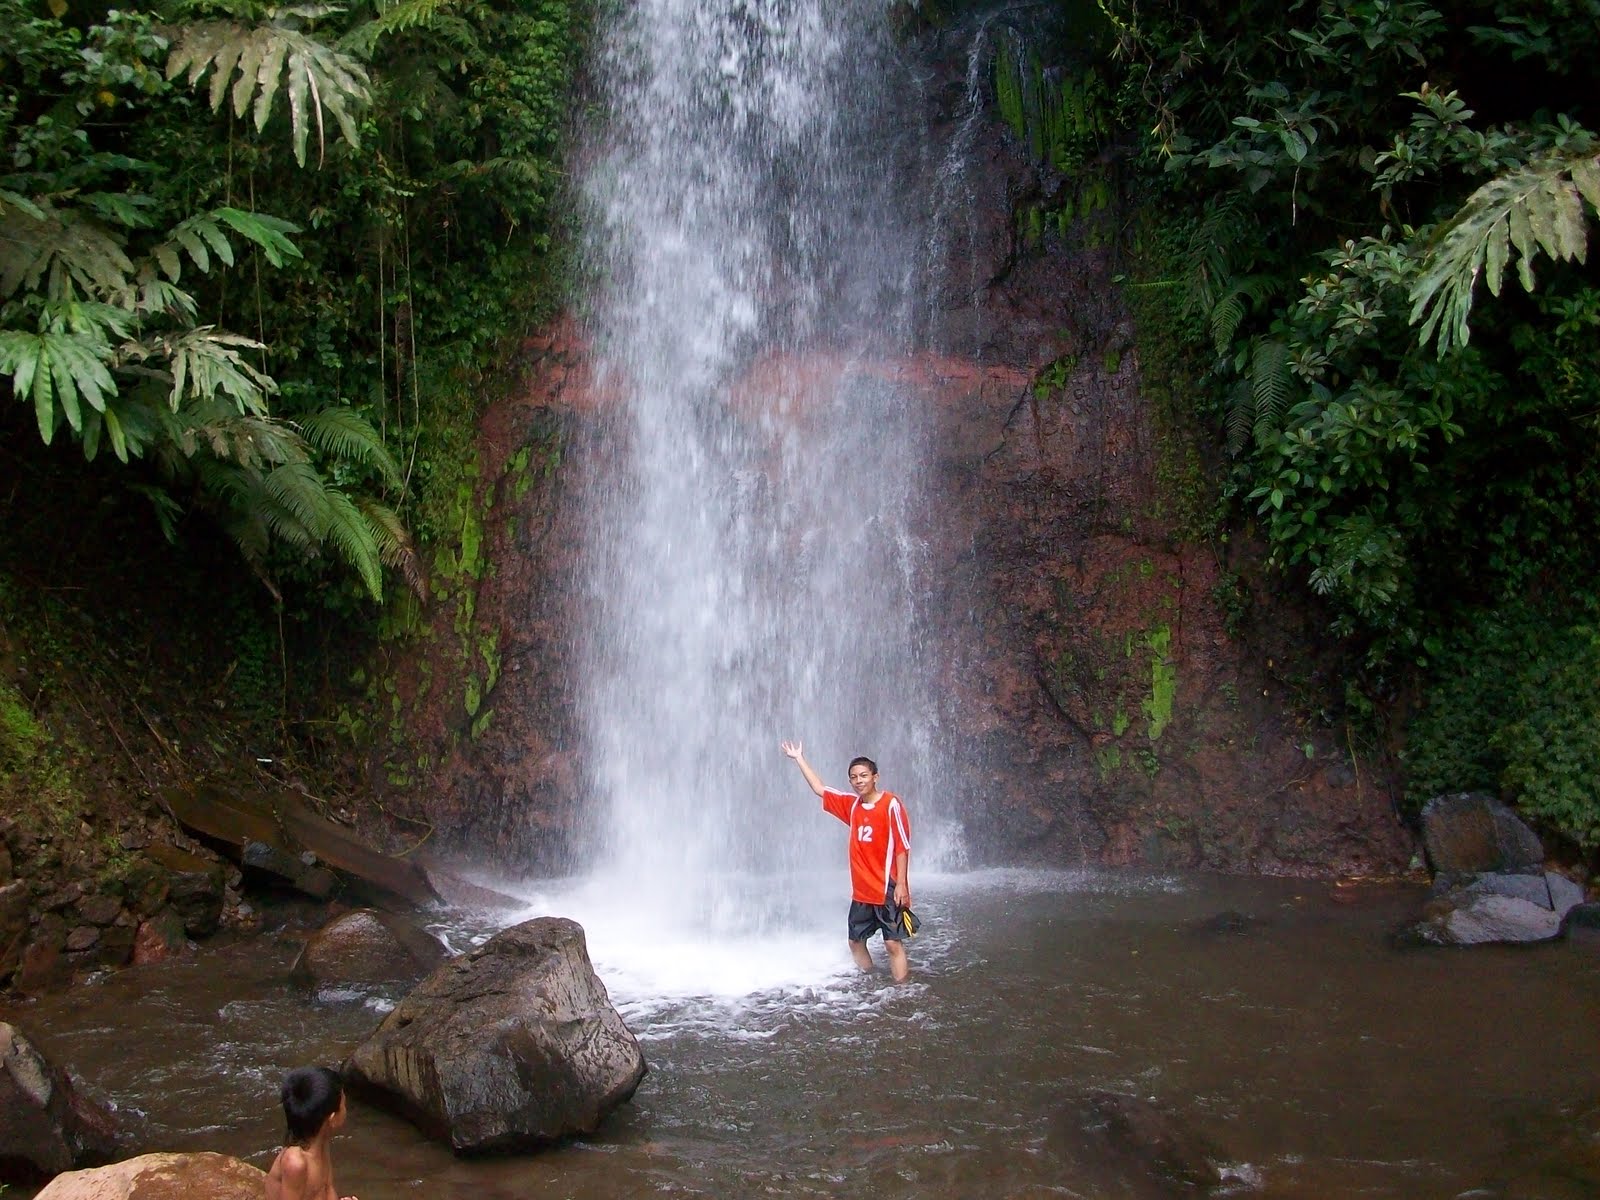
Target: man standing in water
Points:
(880, 858)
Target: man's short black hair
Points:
(863, 761)
(310, 1096)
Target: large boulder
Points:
(162, 1177)
(1478, 909)
(366, 946)
(508, 1047)
(46, 1125)
(1466, 833)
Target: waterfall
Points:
(751, 570)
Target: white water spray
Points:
(751, 569)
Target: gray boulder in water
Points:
(509, 1047)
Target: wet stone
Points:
(82, 938)
(99, 910)
(62, 897)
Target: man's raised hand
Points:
(792, 749)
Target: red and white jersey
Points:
(878, 832)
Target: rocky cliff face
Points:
(1112, 696)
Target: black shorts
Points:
(868, 919)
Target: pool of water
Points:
(1322, 1061)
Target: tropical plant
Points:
(99, 327)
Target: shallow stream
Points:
(1322, 1061)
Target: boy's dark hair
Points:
(863, 761)
(310, 1096)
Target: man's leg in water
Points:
(858, 951)
(899, 965)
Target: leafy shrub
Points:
(1513, 709)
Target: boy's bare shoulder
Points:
(289, 1174)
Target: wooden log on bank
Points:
(272, 831)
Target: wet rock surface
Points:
(509, 1047)
(367, 946)
(1124, 1140)
(162, 1177)
(1473, 832)
(1489, 884)
(46, 1124)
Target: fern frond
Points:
(206, 363)
(301, 492)
(56, 370)
(61, 250)
(346, 435)
(395, 545)
(1241, 416)
(1269, 378)
(205, 234)
(1535, 207)
(405, 17)
(352, 536)
(268, 57)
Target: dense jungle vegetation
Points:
(259, 266)
(263, 254)
(1361, 234)
(259, 263)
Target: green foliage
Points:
(137, 246)
(1377, 451)
(276, 51)
(1535, 207)
(36, 783)
(1513, 710)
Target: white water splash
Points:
(751, 567)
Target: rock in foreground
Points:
(46, 1125)
(509, 1047)
(162, 1177)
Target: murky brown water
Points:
(1325, 1063)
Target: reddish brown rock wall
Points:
(1105, 707)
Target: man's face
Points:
(863, 779)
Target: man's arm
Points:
(902, 882)
(794, 751)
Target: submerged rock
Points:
(1126, 1137)
(162, 1177)
(367, 946)
(46, 1125)
(508, 1047)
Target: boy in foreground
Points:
(313, 1106)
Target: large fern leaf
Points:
(1535, 207)
(345, 434)
(269, 57)
(56, 370)
(207, 363)
(59, 252)
(1269, 378)
(395, 545)
(349, 532)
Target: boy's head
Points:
(310, 1096)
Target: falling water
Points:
(752, 570)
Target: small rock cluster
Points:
(1490, 883)
(143, 904)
